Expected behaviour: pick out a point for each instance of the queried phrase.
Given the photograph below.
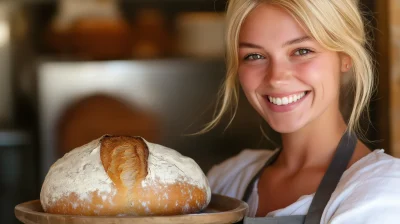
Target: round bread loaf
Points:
(122, 175)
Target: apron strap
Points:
(331, 178)
(292, 219)
(250, 187)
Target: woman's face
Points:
(286, 75)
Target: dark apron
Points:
(339, 163)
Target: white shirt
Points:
(367, 193)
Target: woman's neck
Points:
(314, 145)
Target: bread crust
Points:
(124, 160)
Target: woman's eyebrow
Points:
(297, 40)
(249, 45)
(290, 42)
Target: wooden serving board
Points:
(221, 209)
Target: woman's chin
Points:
(285, 127)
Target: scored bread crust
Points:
(125, 161)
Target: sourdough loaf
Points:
(123, 175)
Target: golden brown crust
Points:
(173, 199)
(124, 159)
(72, 205)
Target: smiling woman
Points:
(290, 57)
(288, 64)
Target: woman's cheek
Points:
(321, 68)
(250, 77)
(310, 72)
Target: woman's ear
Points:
(345, 62)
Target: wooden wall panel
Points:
(394, 28)
(381, 101)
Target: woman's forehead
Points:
(270, 23)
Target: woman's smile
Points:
(285, 102)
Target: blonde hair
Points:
(336, 25)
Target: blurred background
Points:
(71, 71)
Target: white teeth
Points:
(290, 99)
(287, 99)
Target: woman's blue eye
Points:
(252, 57)
(302, 52)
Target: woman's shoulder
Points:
(368, 191)
(231, 176)
(245, 158)
(375, 164)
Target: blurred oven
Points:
(164, 100)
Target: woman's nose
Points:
(278, 74)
